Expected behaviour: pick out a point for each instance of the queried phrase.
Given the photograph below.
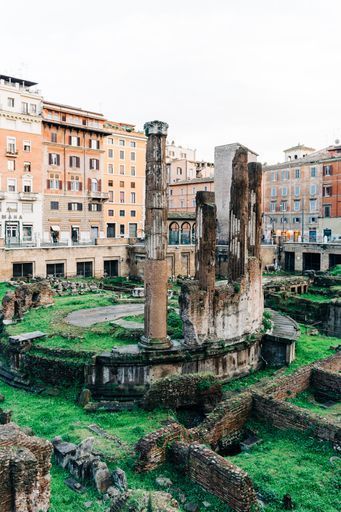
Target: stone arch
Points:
(185, 233)
(173, 233)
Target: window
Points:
(54, 137)
(94, 163)
(75, 207)
(75, 185)
(54, 159)
(95, 207)
(94, 144)
(284, 191)
(74, 141)
(179, 171)
(132, 184)
(297, 206)
(284, 206)
(122, 229)
(121, 142)
(133, 156)
(110, 169)
(297, 220)
(133, 170)
(74, 161)
(111, 230)
(312, 205)
(27, 185)
(297, 173)
(33, 108)
(285, 175)
(273, 176)
(132, 230)
(327, 191)
(121, 155)
(12, 207)
(27, 233)
(327, 170)
(111, 213)
(27, 166)
(313, 189)
(11, 185)
(54, 182)
(121, 197)
(22, 269)
(27, 207)
(84, 268)
(11, 165)
(121, 169)
(122, 213)
(11, 145)
(273, 206)
(121, 183)
(313, 172)
(327, 210)
(273, 192)
(133, 213)
(111, 267)
(54, 205)
(55, 269)
(133, 197)
(24, 107)
(10, 102)
(132, 144)
(27, 146)
(297, 190)
(110, 183)
(110, 141)
(110, 153)
(284, 220)
(111, 196)
(312, 220)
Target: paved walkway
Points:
(88, 317)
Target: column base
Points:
(155, 343)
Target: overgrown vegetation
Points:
(335, 271)
(307, 401)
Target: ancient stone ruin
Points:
(26, 296)
(24, 471)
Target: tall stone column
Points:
(255, 208)
(206, 215)
(155, 270)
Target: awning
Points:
(55, 228)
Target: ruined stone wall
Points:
(326, 384)
(24, 471)
(16, 303)
(226, 421)
(152, 449)
(219, 476)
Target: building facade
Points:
(124, 181)
(21, 197)
(182, 194)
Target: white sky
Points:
(265, 73)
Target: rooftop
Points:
(20, 81)
(299, 146)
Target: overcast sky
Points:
(265, 73)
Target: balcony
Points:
(95, 194)
(11, 152)
(28, 196)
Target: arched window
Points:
(193, 234)
(173, 233)
(185, 233)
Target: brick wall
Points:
(326, 383)
(223, 479)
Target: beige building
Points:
(182, 193)
(124, 181)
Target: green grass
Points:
(308, 349)
(51, 320)
(314, 297)
(306, 400)
(335, 271)
(292, 462)
(4, 288)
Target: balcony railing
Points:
(94, 194)
(28, 196)
(11, 152)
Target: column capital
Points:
(155, 128)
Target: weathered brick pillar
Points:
(155, 270)
(255, 208)
(206, 218)
(238, 229)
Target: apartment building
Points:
(73, 163)
(175, 152)
(300, 196)
(20, 162)
(182, 194)
(124, 181)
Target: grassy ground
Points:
(63, 335)
(314, 297)
(306, 400)
(291, 462)
(308, 349)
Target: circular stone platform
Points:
(91, 316)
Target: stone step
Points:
(14, 379)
